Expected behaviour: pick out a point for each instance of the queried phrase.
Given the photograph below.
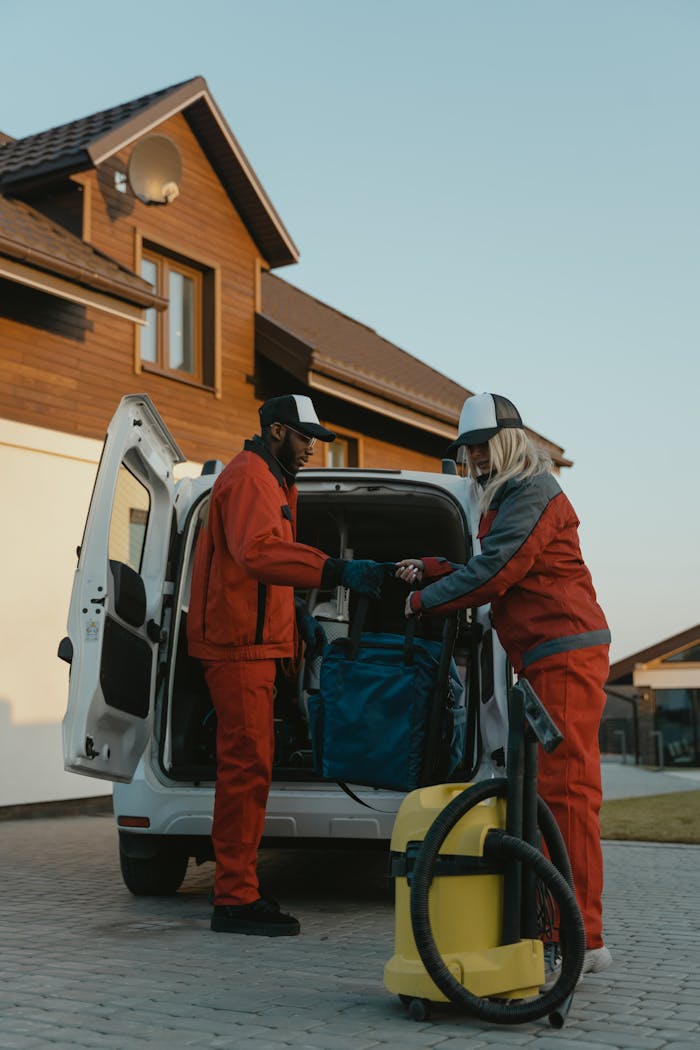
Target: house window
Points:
(343, 452)
(178, 341)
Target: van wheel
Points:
(157, 876)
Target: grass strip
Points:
(674, 817)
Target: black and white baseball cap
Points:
(298, 411)
(482, 416)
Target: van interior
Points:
(382, 520)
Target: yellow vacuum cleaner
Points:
(466, 863)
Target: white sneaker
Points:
(596, 960)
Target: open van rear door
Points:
(117, 604)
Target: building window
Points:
(178, 341)
(342, 452)
(677, 721)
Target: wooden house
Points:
(140, 253)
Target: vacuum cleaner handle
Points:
(539, 720)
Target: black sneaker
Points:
(263, 918)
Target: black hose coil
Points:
(503, 847)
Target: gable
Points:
(40, 160)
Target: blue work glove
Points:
(312, 633)
(365, 577)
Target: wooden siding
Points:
(65, 366)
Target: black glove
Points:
(365, 577)
(312, 633)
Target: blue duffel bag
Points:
(370, 720)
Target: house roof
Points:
(621, 671)
(324, 348)
(82, 144)
(329, 351)
(67, 148)
(32, 242)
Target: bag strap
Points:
(356, 798)
(408, 647)
(441, 702)
(348, 791)
(357, 627)
(358, 624)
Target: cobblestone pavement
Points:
(83, 963)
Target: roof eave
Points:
(277, 245)
(29, 179)
(316, 370)
(81, 275)
(363, 397)
(104, 147)
(318, 364)
(71, 291)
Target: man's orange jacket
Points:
(247, 564)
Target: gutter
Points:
(81, 275)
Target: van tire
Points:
(160, 875)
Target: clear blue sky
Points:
(508, 189)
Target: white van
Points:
(138, 709)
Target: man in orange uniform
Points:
(241, 621)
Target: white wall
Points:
(46, 480)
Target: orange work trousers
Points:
(242, 693)
(571, 687)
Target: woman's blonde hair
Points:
(513, 455)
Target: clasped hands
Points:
(365, 576)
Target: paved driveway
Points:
(628, 781)
(85, 964)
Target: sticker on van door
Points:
(92, 631)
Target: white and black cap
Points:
(298, 411)
(482, 416)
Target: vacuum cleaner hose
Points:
(499, 845)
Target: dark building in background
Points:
(652, 715)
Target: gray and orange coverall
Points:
(544, 609)
(241, 620)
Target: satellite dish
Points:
(155, 170)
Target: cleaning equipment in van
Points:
(466, 864)
(388, 712)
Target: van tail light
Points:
(133, 822)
